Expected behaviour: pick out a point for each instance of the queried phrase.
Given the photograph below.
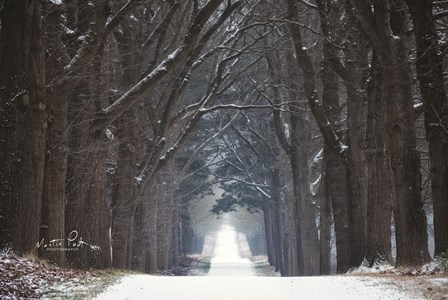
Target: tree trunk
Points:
(22, 124)
(298, 154)
(293, 246)
(100, 231)
(151, 232)
(357, 66)
(387, 29)
(333, 186)
(307, 209)
(336, 181)
(164, 217)
(409, 216)
(170, 211)
(138, 253)
(77, 177)
(54, 189)
(379, 189)
(87, 211)
(305, 215)
(430, 74)
(325, 222)
(336, 171)
(175, 241)
(302, 247)
(268, 228)
(124, 193)
(123, 196)
(279, 226)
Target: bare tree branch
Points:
(440, 14)
(243, 107)
(130, 97)
(309, 86)
(219, 133)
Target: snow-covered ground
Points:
(248, 288)
(231, 277)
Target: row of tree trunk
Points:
(99, 101)
(83, 186)
(371, 170)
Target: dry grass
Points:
(426, 284)
(261, 266)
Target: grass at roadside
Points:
(201, 265)
(429, 281)
(89, 284)
(261, 266)
(86, 285)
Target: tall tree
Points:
(54, 190)
(296, 148)
(379, 180)
(386, 27)
(429, 65)
(23, 124)
(355, 75)
(336, 171)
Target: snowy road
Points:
(226, 260)
(252, 288)
(231, 278)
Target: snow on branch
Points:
(243, 107)
(203, 145)
(419, 109)
(253, 184)
(290, 22)
(440, 3)
(440, 14)
(91, 44)
(305, 63)
(148, 82)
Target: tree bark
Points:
(138, 254)
(305, 209)
(165, 211)
(379, 189)
(54, 189)
(356, 69)
(292, 245)
(291, 151)
(429, 64)
(278, 224)
(268, 230)
(22, 124)
(386, 29)
(325, 222)
(336, 172)
(150, 230)
(124, 192)
(77, 176)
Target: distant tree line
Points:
(329, 117)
